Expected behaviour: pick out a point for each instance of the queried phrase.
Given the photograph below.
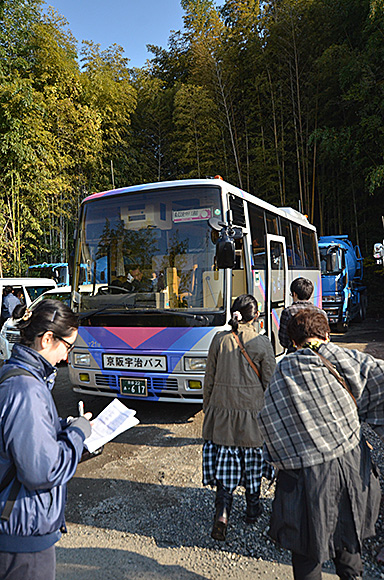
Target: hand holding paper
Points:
(113, 420)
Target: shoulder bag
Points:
(342, 382)
(332, 369)
(244, 352)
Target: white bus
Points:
(156, 257)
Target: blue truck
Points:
(344, 293)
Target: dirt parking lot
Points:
(139, 511)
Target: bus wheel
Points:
(342, 326)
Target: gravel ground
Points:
(139, 511)
(158, 526)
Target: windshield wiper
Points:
(150, 310)
(199, 317)
(84, 315)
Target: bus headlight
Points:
(82, 359)
(195, 364)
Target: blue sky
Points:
(130, 23)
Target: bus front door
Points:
(277, 292)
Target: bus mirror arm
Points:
(216, 224)
(235, 232)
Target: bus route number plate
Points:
(135, 387)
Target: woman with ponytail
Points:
(239, 367)
(39, 452)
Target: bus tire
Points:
(342, 326)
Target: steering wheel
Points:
(110, 290)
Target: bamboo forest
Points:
(283, 98)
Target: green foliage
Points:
(282, 97)
(107, 89)
(197, 134)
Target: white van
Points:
(27, 289)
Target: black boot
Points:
(223, 503)
(254, 507)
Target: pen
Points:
(80, 406)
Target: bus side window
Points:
(286, 232)
(272, 224)
(297, 246)
(309, 244)
(239, 277)
(256, 217)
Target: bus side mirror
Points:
(225, 251)
(225, 244)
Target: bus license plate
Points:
(136, 387)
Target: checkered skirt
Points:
(234, 466)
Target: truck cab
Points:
(344, 295)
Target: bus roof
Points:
(290, 213)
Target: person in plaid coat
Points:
(233, 396)
(327, 492)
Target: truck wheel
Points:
(361, 314)
(362, 308)
(342, 326)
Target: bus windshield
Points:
(151, 250)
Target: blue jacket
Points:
(44, 450)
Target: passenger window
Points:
(310, 251)
(286, 232)
(297, 247)
(256, 217)
(272, 224)
(239, 276)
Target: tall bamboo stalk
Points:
(276, 138)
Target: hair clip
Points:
(27, 314)
(237, 316)
(53, 316)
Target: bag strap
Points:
(15, 372)
(13, 493)
(11, 473)
(336, 374)
(244, 352)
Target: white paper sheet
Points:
(113, 420)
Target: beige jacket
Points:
(233, 393)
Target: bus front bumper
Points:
(174, 388)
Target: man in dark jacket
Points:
(301, 292)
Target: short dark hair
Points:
(8, 290)
(48, 315)
(308, 323)
(248, 307)
(302, 287)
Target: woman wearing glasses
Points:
(39, 452)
